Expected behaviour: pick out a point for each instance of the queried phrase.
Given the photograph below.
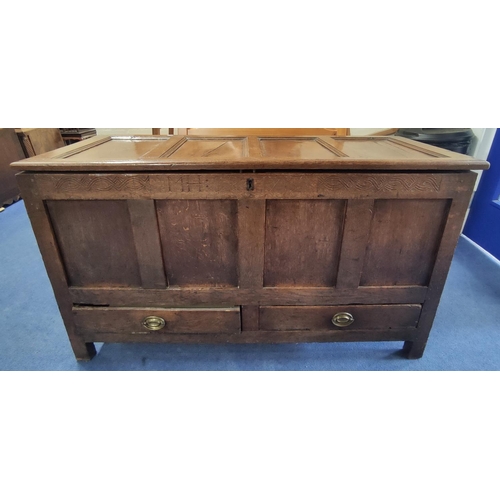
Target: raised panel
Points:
(302, 242)
(199, 241)
(305, 148)
(96, 242)
(403, 242)
(211, 148)
(132, 148)
(383, 148)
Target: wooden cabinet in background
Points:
(10, 150)
(36, 141)
(72, 135)
(247, 239)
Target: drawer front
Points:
(373, 317)
(126, 320)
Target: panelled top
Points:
(177, 153)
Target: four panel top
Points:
(184, 153)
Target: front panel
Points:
(95, 242)
(302, 242)
(250, 240)
(403, 242)
(199, 242)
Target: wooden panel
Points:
(211, 148)
(354, 240)
(297, 148)
(289, 186)
(115, 150)
(302, 244)
(67, 151)
(384, 147)
(320, 318)
(129, 320)
(199, 240)
(10, 150)
(96, 242)
(404, 240)
(266, 296)
(147, 243)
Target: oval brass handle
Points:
(153, 323)
(343, 319)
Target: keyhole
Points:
(250, 185)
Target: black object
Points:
(453, 139)
(72, 135)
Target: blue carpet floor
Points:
(465, 336)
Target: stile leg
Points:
(414, 349)
(84, 351)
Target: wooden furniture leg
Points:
(415, 349)
(40, 222)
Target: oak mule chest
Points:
(247, 239)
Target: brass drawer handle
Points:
(343, 319)
(153, 323)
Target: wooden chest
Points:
(247, 239)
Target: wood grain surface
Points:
(199, 242)
(302, 244)
(130, 320)
(96, 242)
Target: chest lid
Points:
(184, 153)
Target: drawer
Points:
(123, 320)
(360, 317)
